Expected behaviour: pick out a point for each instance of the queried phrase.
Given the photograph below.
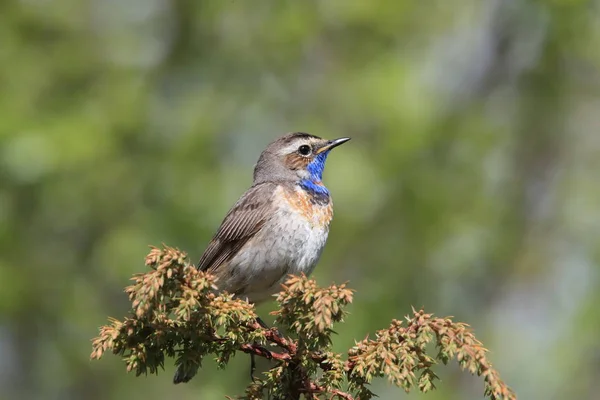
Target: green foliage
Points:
(175, 312)
(178, 312)
(400, 353)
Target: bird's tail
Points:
(185, 371)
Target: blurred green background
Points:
(471, 186)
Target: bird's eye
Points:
(304, 149)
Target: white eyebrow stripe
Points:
(292, 147)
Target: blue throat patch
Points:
(315, 168)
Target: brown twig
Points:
(262, 352)
(290, 347)
(273, 336)
(314, 388)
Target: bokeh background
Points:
(471, 186)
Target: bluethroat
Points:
(279, 226)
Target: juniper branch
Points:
(177, 312)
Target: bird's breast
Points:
(314, 206)
(303, 227)
(290, 242)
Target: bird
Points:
(278, 227)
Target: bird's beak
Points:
(331, 144)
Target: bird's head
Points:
(295, 157)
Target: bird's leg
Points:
(262, 323)
(252, 359)
(265, 351)
(252, 367)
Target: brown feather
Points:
(241, 223)
(295, 161)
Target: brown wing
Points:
(244, 220)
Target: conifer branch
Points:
(177, 312)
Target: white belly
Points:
(289, 243)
